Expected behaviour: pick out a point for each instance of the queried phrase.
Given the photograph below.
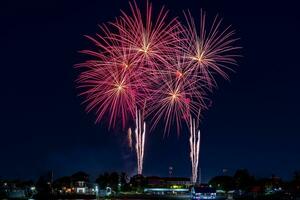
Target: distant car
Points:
(203, 192)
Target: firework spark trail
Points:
(129, 138)
(195, 149)
(140, 133)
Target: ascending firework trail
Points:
(195, 149)
(139, 133)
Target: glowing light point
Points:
(144, 50)
(174, 95)
(199, 58)
(119, 87)
(179, 74)
(125, 65)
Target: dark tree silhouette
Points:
(111, 180)
(243, 180)
(80, 176)
(103, 180)
(138, 182)
(222, 182)
(62, 182)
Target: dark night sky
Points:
(253, 123)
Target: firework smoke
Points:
(195, 149)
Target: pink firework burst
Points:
(152, 39)
(109, 92)
(210, 49)
(175, 95)
(111, 82)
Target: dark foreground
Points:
(161, 197)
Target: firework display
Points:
(155, 68)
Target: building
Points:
(167, 185)
(203, 192)
(82, 187)
(168, 181)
